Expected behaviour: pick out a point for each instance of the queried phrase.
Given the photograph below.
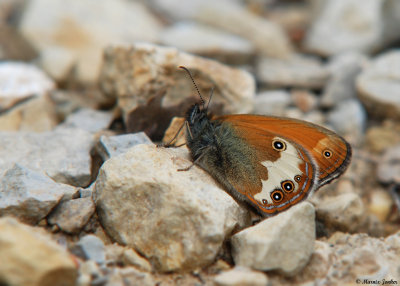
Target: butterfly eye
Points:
(327, 153)
(279, 145)
(297, 178)
(277, 196)
(287, 186)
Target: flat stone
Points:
(110, 146)
(133, 74)
(90, 247)
(210, 42)
(53, 152)
(267, 37)
(177, 220)
(32, 257)
(294, 71)
(89, 120)
(379, 84)
(284, 242)
(29, 195)
(19, 81)
(69, 40)
(241, 276)
(71, 216)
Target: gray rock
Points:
(349, 118)
(345, 25)
(268, 38)
(64, 155)
(284, 242)
(19, 81)
(378, 86)
(71, 216)
(294, 71)
(110, 146)
(177, 220)
(28, 195)
(89, 120)
(210, 42)
(241, 276)
(341, 86)
(30, 257)
(111, 22)
(389, 166)
(274, 102)
(90, 247)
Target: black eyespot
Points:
(327, 154)
(264, 201)
(279, 145)
(297, 178)
(287, 186)
(277, 196)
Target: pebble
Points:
(30, 257)
(111, 146)
(267, 37)
(111, 23)
(344, 69)
(380, 138)
(272, 102)
(378, 86)
(29, 195)
(89, 120)
(389, 166)
(305, 100)
(284, 242)
(380, 204)
(210, 42)
(52, 152)
(153, 66)
(241, 276)
(71, 216)
(295, 71)
(90, 247)
(132, 258)
(19, 81)
(178, 220)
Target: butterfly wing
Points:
(274, 163)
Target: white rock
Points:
(30, 257)
(341, 86)
(72, 215)
(272, 102)
(267, 37)
(178, 220)
(28, 195)
(241, 276)
(345, 25)
(88, 119)
(345, 212)
(73, 34)
(110, 146)
(132, 258)
(64, 155)
(284, 242)
(294, 71)
(379, 86)
(19, 81)
(133, 73)
(206, 41)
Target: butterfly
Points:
(271, 163)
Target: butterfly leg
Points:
(169, 143)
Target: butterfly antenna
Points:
(194, 83)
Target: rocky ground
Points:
(87, 88)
